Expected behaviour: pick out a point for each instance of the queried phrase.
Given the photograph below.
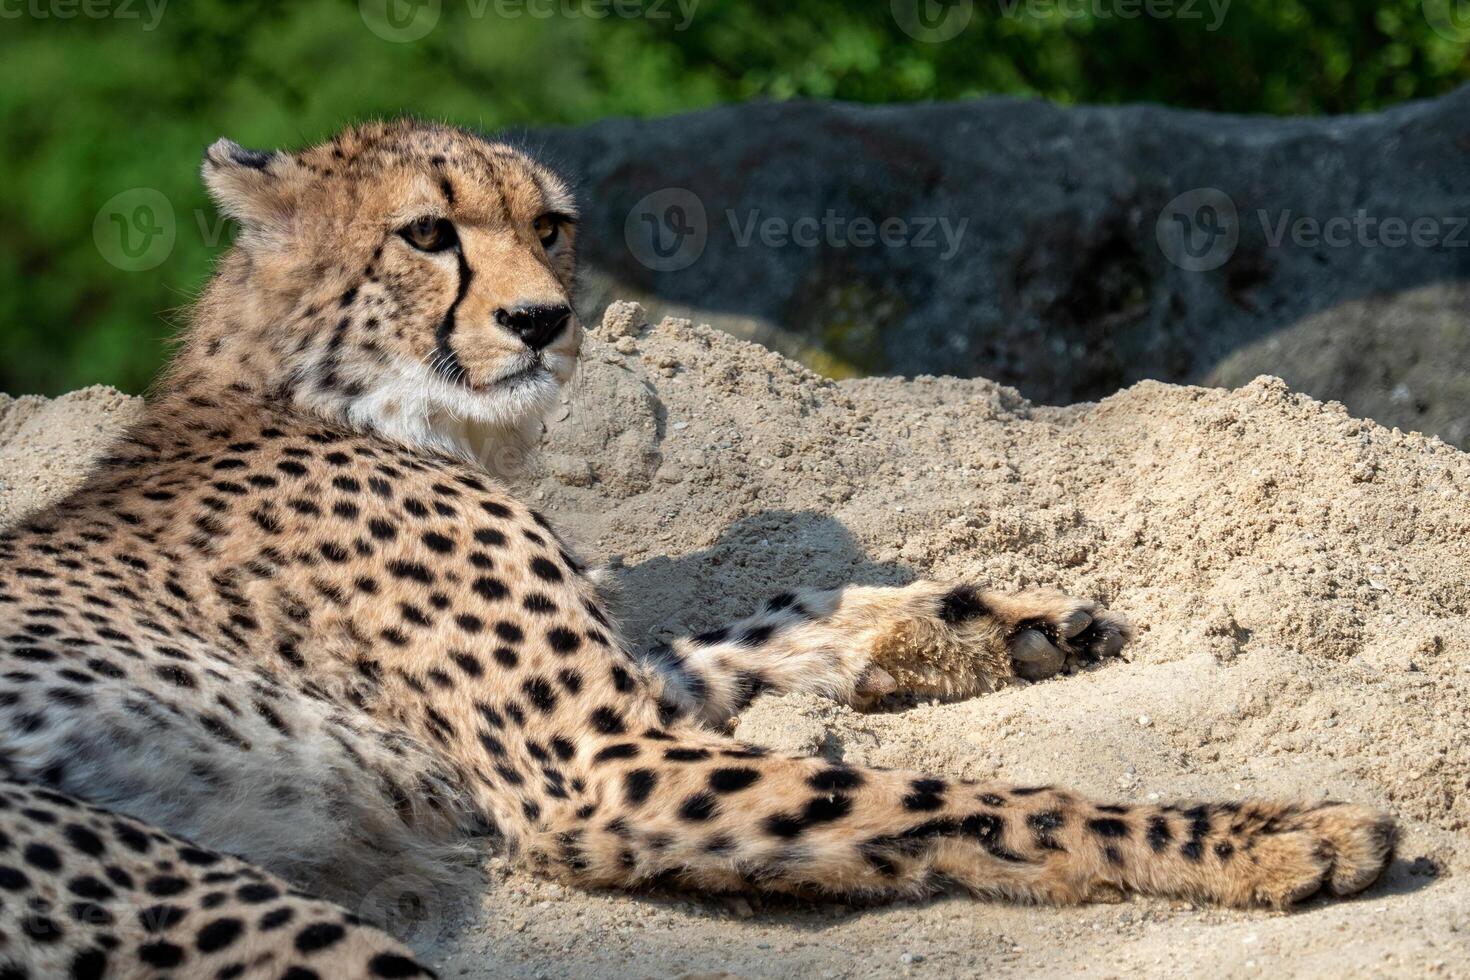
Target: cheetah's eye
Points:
(430, 234)
(548, 227)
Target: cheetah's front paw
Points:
(1049, 631)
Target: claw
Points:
(1075, 622)
(1035, 658)
(876, 683)
(1104, 638)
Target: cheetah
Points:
(292, 638)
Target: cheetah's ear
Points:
(260, 189)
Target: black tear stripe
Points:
(446, 361)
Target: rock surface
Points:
(1085, 250)
(1297, 575)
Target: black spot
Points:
(698, 807)
(88, 886)
(754, 636)
(162, 886)
(545, 570)
(540, 694)
(89, 964)
(835, 778)
(218, 934)
(411, 570)
(1108, 827)
(925, 797)
(492, 745)
(276, 918)
(686, 755)
(539, 604)
(177, 676)
(488, 588)
(1159, 835)
(161, 954)
(960, 604)
(438, 543)
(622, 750)
(254, 894)
(467, 663)
(43, 857)
(733, 779)
(83, 840)
(1042, 824)
(607, 721)
(638, 784)
(820, 809)
(161, 918)
(319, 936)
(394, 966)
(1046, 820)
(563, 641)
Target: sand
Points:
(1298, 578)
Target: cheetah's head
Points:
(405, 277)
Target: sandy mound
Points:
(1299, 578)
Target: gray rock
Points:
(1047, 248)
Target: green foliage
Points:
(96, 106)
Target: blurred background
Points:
(106, 105)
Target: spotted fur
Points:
(294, 617)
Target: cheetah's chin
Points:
(492, 426)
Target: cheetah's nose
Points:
(536, 325)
